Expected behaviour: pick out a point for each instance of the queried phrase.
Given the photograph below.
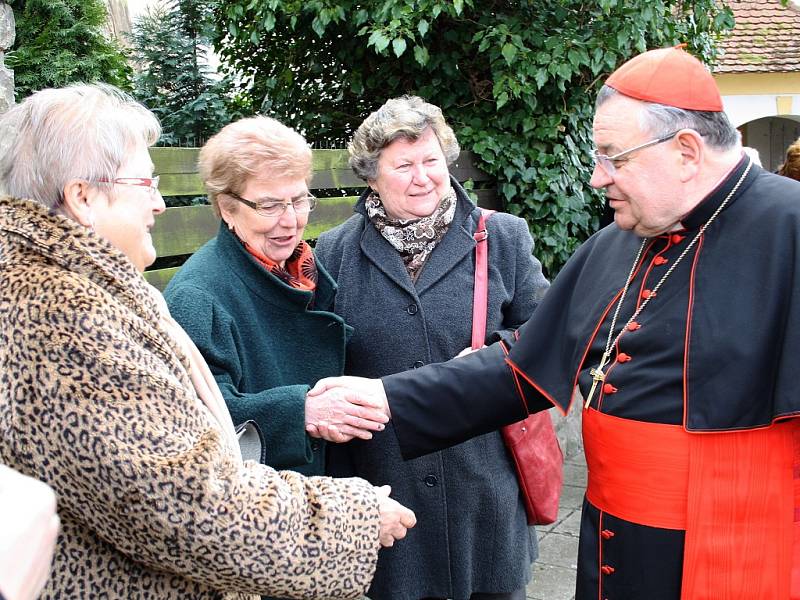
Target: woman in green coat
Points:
(254, 300)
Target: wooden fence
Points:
(182, 230)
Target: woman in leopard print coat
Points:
(97, 396)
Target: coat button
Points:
(417, 364)
(412, 309)
(314, 446)
(607, 534)
(607, 570)
(609, 389)
(676, 238)
(430, 480)
(623, 358)
(647, 294)
(633, 326)
(660, 260)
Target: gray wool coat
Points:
(471, 534)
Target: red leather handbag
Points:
(532, 442)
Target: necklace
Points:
(597, 373)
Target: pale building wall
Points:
(766, 108)
(743, 109)
(750, 96)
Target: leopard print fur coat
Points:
(96, 401)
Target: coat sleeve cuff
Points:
(440, 405)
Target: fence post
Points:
(7, 34)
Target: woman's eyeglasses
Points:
(275, 208)
(148, 182)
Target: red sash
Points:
(734, 493)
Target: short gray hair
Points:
(406, 117)
(660, 119)
(80, 131)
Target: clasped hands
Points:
(339, 409)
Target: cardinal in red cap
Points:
(668, 76)
(679, 324)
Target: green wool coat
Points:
(265, 342)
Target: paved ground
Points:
(554, 571)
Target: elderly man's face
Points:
(645, 188)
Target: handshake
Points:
(339, 409)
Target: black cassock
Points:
(717, 348)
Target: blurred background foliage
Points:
(516, 79)
(59, 42)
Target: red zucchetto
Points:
(668, 76)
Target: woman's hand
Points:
(338, 412)
(29, 527)
(396, 519)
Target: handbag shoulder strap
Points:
(481, 289)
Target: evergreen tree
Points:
(59, 42)
(171, 48)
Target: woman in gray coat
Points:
(405, 265)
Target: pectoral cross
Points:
(598, 376)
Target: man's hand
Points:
(372, 388)
(29, 527)
(338, 414)
(396, 519)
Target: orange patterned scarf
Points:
(300, 271)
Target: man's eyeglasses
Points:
(275, 208)
(148, 182)
(610, 164)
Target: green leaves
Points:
(516, 80)
(174, 81)
(421, 55)
(502, 99)
(399, 46)
(509, 51)
(378, 40)
(59, 42)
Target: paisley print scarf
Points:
(300, 270)
(414, 239)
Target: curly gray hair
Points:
(406, 117)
